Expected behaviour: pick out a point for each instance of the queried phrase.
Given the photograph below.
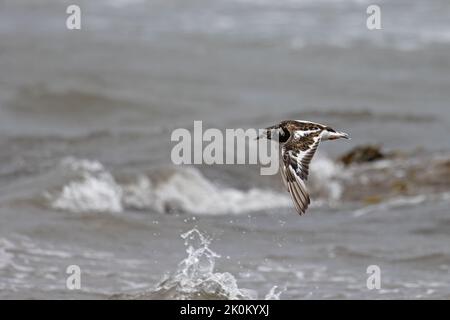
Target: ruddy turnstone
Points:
(298, 141)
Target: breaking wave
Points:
(325, 181)
(397, 181)
(94, 189)
(401, 202)
(195, 277)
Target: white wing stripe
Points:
(295, 170)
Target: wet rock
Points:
(373, 199)
(362, 154)
(400, 186)
(445, 165)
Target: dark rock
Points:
(362, 154)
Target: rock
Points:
(400, 186)
(371, 200)
(362, 154)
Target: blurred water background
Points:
(85, 171)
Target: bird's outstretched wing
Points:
(296, 156)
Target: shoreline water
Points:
(86, 118)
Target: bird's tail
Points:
(269, 132)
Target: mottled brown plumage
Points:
(305, 142)
(294, 125)
(299, 141)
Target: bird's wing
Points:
(296, 156)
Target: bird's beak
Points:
(339, 135)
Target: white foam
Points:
(94, 189)
(188, 190)
(6, 257)
(273, 294)
(326, 178)
(195, 276)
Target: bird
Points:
(298, 142)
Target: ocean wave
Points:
(434, 258)
(123, 3)
(398, 202)
(56, 102)
(94, 189)
(367, 116)
(24, 260)
(326, 181)
(298, 23)
(396, 181)
(6, 257)
(195, 277)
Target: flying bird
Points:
(298, 141)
